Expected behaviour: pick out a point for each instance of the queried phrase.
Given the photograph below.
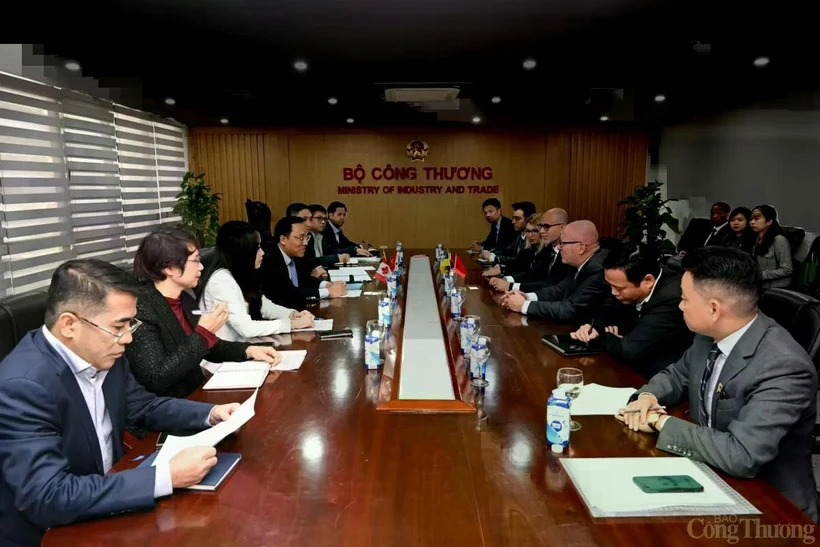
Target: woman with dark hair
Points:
(233, 279)
(744, 238)
(167, 350)
(771, 250)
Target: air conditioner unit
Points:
(420, 94)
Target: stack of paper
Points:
(607, 487)
(291, 360)
(369, 259)
(232, 375)
(209, 437)
(359, 275)
(352, 260)
(318, 326)
(600, 400)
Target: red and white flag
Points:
(382, 273)
(457, 266)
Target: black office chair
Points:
(18, 315)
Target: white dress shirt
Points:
(240, 327)
(317, 244)
(323, 292)
(90, 381)
(715, 231)
(725, 346)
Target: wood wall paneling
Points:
(584, 172)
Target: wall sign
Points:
(386, 176)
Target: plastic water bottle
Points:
(399, 256)
(558, 420)
(439, 252)
(479, 355)
(449, 283)
(392, 285)
(456, 302)
(467, 330)
(384, 312)
(371, 350)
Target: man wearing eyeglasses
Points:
(578, 296)
(66, 397)
(318, 251)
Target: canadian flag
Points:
(382, 273)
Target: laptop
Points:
(566, 345)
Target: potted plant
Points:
(645, 217)
(199, 208)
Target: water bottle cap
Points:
(557, 448)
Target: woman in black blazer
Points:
(167, 350)
(534, 260)
(744, 239)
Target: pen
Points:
(633, 411)
(205, 312)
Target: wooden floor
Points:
(321, 467)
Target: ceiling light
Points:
(350, 120)
(760, 62)
(170, 102)
(496, 100)
(301, 66)
(660, 98)
(224, 121)
(73, 66)
(529, 64)
(333, 100)
(604, 118)
(476, 119)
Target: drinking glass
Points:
(479, 355)
(571, 380)
(373, 326)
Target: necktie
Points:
(292, 271)
(711, 235)
(552, 262)
(714, 353)
(339, 236)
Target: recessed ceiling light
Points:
(333, 100)
(760, 62)
(301, 66)
(604, 118)
(476, 119)
(224, 121)
(350, 120)
(496, 100)
(529, 64)
(170, 102)
(73, 66)
(660, 98)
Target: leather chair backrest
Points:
(20, 314)
(207, 256)
(795, 237)
(797, 313)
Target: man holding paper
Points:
(66, 397)
(751, 388)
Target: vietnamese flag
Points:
(382, 273)
(457, 266)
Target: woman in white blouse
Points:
(233, 278)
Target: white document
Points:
(210, 367)
(606, 484)
(209, 437)
(291, 360)
(236, 375)
(319, 325)
(352, 294)
(352, 260)
(344, 275)
(369, 259)
(600, 400)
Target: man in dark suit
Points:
(642, 324)
(318, 251)
(66, 397)
(522, 210)
(716, 232)
(752, 389)
(284, 280)
(551, 225)
(502, 233)
(333, 234)
(578, 296)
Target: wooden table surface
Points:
(321, 467)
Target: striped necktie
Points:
(714, 353)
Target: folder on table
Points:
(225, 464)
(234, 375)
(566, 345)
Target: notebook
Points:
(566, 345)
(232, 375)
(225, 464)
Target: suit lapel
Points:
(745, 348)
(166, 314)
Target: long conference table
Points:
(327, 461)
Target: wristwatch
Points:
(651, 420)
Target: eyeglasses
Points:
(197, 260)
(565, 243)
(133, 325)
(532, 231)
(319, 219)
(548, 226)
(301, 238)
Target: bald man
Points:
(583, 290)
(551, 225)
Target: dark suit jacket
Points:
(164, 359)
(503, 238)
(51, 470)
(653, 338)
(509, 253)
(276, 283)
(535, 280)
(328, 257)
(577, 297)
(698, 230)
(343, 246)
(762, 419)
